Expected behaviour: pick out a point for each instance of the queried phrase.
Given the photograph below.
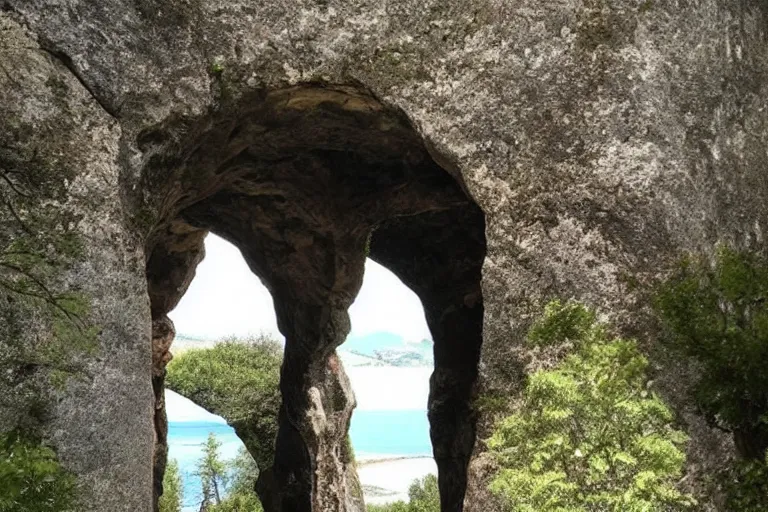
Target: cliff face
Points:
(492, 154)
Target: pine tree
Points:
(212, 472)
(241, 496)
(173, 494)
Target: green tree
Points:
(588, 435)
(173, 493)
(240, 496)
(239, 502)
(213, 474)
(746, 487)
(423, 496)
(238, 380)
(717, 313)
(243, 473)
(31, 479)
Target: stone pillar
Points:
(175, 253)
(163, 333)
(439, 255)
(314, 273)
(313, 467)
(456, 327)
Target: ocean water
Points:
(374, 434)
(386, 433)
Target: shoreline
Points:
(388, 479)
(372, 460)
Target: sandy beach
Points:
(387, 480)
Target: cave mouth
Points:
(307, 182)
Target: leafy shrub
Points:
(717, 313)
(31, 479)
(423, 496)
(173, 493)
(588, 435)
(561, 323)
(238, 502)
(238, 380)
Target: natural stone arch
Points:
(602, 140)
(305, 182)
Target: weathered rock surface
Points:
(598, 139)
(75, 335)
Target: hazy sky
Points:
(225, 298)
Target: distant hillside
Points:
(376, 349)
(183, 342)
(389, 349)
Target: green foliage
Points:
(243, 473)
(238, 502)
(423, 496)
(32, 479)
(717, 313)
(747, 486)
(29, 267)
(238, 381)
(491, 403)
(217, 68)
(397, 506)
(212, 472)
(173, 492)
(588, 435)
(38, 244)
(560, 323)
(44, 321)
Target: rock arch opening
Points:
(307, 182)
(226, 365)
(388, 357)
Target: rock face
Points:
(492, 154)
(163, 333)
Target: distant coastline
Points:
(364, 460)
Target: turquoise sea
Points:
(373, 433)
